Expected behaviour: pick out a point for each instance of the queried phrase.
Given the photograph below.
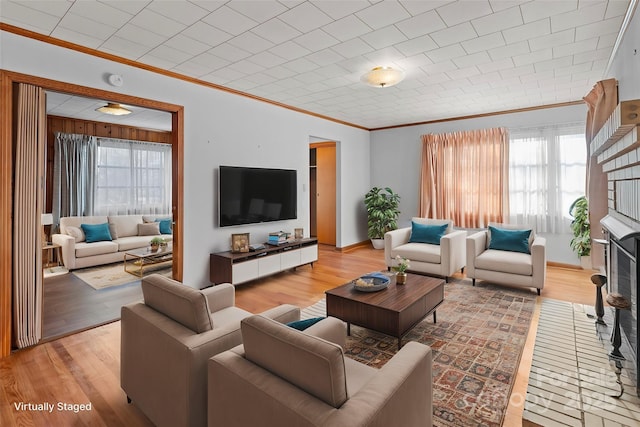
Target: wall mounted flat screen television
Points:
(254, 195)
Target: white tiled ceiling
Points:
(460, 57)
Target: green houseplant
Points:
(382, 213)
(581, 242)
(155, 243)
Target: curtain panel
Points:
(74, 167)
(601, 102)
(28, 207)
(464, 177)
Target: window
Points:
(132, 178)
(547, 169)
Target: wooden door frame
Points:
(7, 80)
(334, 144)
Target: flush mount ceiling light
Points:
(383, 77)
(114, 109)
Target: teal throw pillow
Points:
(301, 325)
(509, 240)
(96, 232)
(165, 225)
(427, 233)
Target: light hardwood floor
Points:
(85, 367)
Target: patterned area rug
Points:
(477, 344)
(110, 275)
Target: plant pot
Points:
(585, 262)
(154, 248)
(401, 278)
(377, 243)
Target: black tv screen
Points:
(254, 195)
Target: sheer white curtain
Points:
(132, 177)
(547, 167)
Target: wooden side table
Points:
(50, 249)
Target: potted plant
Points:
(402, 264)
(581, 242)
(382, 214)
(155, 243)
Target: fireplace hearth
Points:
(623, 237)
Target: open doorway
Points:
(132, 155)
(322, 191)
(10, 81)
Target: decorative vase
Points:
(154, 248)
(401, 278)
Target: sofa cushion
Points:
(149, 229)
(504, 261)
(301, 325)
(96, 232)
(509, 240)
(132, 242)
(310, 363)
(84, 249)
(427, 233)
(422, 252)
(181, 303)
(75, 221)
(165, 225)
(126, 225)
(532, 236)
(76, 233)
(434, 221)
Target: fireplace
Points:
(623, 237)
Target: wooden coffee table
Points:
(392, 311)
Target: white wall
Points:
(395, 160)
(220, 129)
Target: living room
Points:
(223, 128)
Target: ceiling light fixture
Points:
(114, 109)
(383, 77)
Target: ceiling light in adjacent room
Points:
(114, 109)
(383, 77)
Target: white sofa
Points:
(124, 229)
(441, 259)
(527, 270)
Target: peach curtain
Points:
(601, 102)
(464, 177)
(28, 207)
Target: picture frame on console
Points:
(298, 233)
(240, 242)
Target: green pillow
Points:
(301, 325)
(427, 233)
(96, 232)
(509, 240)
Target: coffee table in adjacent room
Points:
(393, 311)
(137, 261)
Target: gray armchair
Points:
(166, 342)
(284, 377)
(441, 258)
(523, 269)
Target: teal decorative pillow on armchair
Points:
(509, 240)
(427, 233)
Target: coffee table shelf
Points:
(137, 261)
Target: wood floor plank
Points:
(84, 367)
